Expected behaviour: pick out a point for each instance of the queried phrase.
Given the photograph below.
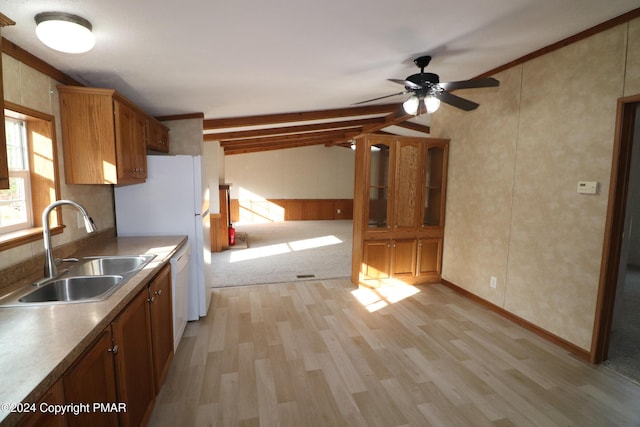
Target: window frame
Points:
(44, 190)
(23, 174)
(28, 223)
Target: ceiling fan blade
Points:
(381, 97)
(456, 101)
(406, 83)
(470, 84)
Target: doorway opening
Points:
(285, 251)
(616, 337)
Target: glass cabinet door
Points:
(378, 185)
(433, 189)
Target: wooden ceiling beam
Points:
(270, 119)
(329, 133)
(398, 116)
(246, 150)
(415, 126)
(296, 137)
(256, 147)
(301, 130)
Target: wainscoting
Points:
(262, 210)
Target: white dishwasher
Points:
(180, 291)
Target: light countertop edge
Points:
(38, 344)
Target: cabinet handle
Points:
(152, 299)
(114, 349)
(158, 292)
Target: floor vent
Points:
(305, 276)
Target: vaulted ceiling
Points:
(286, 73)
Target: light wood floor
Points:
(310, 354)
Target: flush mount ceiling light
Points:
(64, 32)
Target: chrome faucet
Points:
(50, 269)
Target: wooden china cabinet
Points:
(399, 205)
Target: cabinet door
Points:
(161, 309)
(379, 161)
(435, 186)
(157, 136)
(429, 257)
(54, 396)
(131, 152)
(92, 379)
(403, 258)
(376, 259)
(134, 369)
(406, 188)
(383, 259)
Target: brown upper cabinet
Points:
(157, 136)
(4, 164)
(399, 203)
(104, 136)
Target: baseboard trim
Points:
(561, 342)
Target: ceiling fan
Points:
(427, 91)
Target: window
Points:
(15, 203)
(33, 176)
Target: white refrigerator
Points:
(173, 200)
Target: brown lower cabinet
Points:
(92, 379)
(122, 370)
(38, 418)
(410, 259)
(133, 359)
(161, 309)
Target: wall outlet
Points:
(493, 283)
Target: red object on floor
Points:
(232, 236)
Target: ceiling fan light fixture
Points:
(411, 105)
(432, 104)
(64, 32)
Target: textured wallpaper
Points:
(513, 210)
(27, 87)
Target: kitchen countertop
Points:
(39, 343)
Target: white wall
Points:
(314, 172)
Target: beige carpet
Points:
(286, 252)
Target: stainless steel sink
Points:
(91, 279)
(74, 289)
(100, 266)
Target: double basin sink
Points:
(91, 279)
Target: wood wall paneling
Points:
(291, 209)
(216, 244)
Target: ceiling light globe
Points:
(64, 32)
(432, 104)
(411, 105)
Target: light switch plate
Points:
(587, 187)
